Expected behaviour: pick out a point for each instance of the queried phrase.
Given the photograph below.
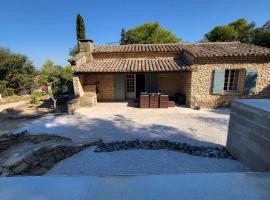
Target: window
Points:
(130, 83)
(231, 80)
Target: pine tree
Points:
(80, 28)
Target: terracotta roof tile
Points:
(148, 59)
(133, 65)
(207, 49)
(220, 49)
(139, 48)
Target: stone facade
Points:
(104, 85)
(180, 68)
(202, 83)
(196, 85)
(172, 83)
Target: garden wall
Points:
(249, 133)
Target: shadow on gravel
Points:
(82, 129)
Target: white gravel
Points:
(141, 162)
(117, 121)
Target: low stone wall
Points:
(73, 105)
(202, 151)
(26, 154)
(249, 133)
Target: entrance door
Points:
(131, 86)
(140, 84)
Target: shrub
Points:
(36, 97)
(7, 92)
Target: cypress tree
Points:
(80, 28)
(123, 37)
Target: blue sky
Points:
(43, 29)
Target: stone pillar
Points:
(78, 85)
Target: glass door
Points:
(131, 86)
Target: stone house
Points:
(208, 74)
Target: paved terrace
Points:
(246, 186)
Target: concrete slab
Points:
(262, 104)
(220, 186)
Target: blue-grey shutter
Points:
(119, 87)
(250, 82)
(151, 82)
(218, 85)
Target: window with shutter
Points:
(218, 84)
(250, 82)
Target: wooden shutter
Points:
(119, 87)
(218, 85)
(151, 82)
(250, 81)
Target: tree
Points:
(16, 73)
(57, 79)
(222, 34)
(239, 30)
(148, 33)
(266, 25)
(80, 28)
(244, 29)
(123, 36)
(262, 37)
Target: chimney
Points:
(86, 46)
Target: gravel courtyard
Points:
(118, 122)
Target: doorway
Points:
(140, 84)
(131, 86)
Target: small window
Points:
(231, 80)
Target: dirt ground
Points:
(17, 115)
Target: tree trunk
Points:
(51, 96)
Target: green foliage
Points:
(266, 25)
(123, 36)
(222, 34)
(16, 71)
(80, 28)
(262, 37)
(60, 78)
(36, 97)
(148, 33)
(239, 30)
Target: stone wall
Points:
(73, 105)
(104, 85)
(174, 82)
(202, 83)
(249, 133)
(78, 81)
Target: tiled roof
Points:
(139, 48)
(167, 64)
(219, 49)
(207, 49)
(165, 57)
